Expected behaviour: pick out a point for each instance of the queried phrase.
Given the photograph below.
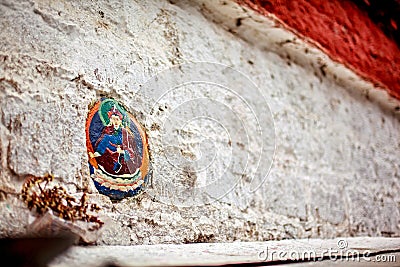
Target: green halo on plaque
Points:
(108, 105)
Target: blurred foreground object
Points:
(34, 252)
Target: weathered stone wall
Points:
(335, 172)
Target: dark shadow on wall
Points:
(385, 14)
(33, 251)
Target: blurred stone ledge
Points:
(239, 253)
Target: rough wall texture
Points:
(335, 173)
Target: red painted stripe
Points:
(346, 34)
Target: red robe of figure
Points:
(116, 151)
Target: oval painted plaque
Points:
(117, 150)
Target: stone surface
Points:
(359, 251)
(335, 171)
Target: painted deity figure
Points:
(116, 150)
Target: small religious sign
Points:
(117, 150)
